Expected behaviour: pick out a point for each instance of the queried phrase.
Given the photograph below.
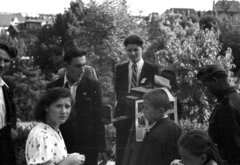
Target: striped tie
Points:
(134, 76)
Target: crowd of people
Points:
(70, 128)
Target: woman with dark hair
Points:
(45, 145)
(197, 148)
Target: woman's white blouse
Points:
(44, 144)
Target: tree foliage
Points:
(29, 82)
(182, 43)
(230, 37)
(186, 54)
(99, 28)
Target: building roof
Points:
(19, 17)
(35, 21)
(6, 19)
(227, 6)
(187, 11)
(14, 27)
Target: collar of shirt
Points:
(2, 83)
(158, 122)
(139, 64)
(225, 93)
(68, 82)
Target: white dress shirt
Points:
(139, 70)
(2, 105)
(72, 87)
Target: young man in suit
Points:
(84, 131)
(159, 145)
(131, 74)
(7, 107)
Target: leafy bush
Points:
(186, 54)
(23, 130)
(188, 125)
(28, 87)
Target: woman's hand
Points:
(211, 162)
(75, 159)
(176, 162)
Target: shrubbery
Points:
(186, 53)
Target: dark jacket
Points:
(224, 125)
(84, 131)
(7, 151)
(10, 106)
(121, 88)
(159, 146)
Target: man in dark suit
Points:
(7, 107)
(84, 131)
(159, 146)
(131, 74)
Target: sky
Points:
(57, 6)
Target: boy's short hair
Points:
(73, 52)
(158, 98)
(133, 39)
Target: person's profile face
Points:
(189, 159)
(76, 68)
(150, 113)
(134, 52)
(211, 86)
(5, 61)
(58, 112)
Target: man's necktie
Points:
(134, 76)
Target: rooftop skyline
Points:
(58, 6)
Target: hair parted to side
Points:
(158, 98)
(133, 39)
(49, 97)
(198, 142)
(73, 52)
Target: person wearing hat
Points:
(7, 107)
(224, 122)
(172, 77)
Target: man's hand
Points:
(14, 133)
(102, 157)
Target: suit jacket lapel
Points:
(125, 73)
(60, 83)
(7, 93)
(82, 85)
(144, 72)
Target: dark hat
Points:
(171, 76)
(12, 51)
(208, 71)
